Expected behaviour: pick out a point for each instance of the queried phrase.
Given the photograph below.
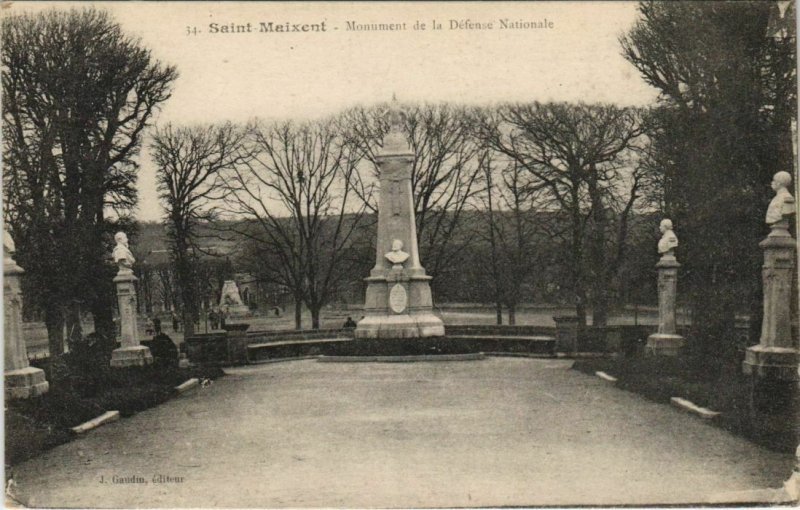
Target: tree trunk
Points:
(580, 305)
(499, 313)
(73, 321)
(315, 313)
(188, 323)
(512, 314)
(298, 313)
(186, 282)
(600, 308)
(54, 321)
(597, 253)
(102, 309)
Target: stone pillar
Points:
(130, 353)
(776, 357)
(566, 333)
(666, 341)
(398, 303)
(22, 380)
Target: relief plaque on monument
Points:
(398, 299)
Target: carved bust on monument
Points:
(397, 256)
(668, 241)
(122, 255)
(782, 203)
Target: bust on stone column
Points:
(776, 357)
(782, 204)
(668, 241)
(131, 353)
(122, 255)
(666, 341)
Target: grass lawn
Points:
(712, 384)
(81, 390)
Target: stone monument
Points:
(776, 356)
(22, 380)
(398, 302)
(666, 342)
(231, 301)
(131, 353)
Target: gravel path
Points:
(495, 432)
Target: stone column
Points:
(566, 333)
(130, 353)
(776, 357)
(398, 302)
(22, 380)
(666, 342)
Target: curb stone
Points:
(104, 418)
(187, 385)
(686, 405)
(605, 376)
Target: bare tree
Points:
(486, 160)
(515, 208)
(77, 95)
(297, 197)
(585, 157)
(191, 163)
(444, 176)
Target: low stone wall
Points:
(499, 330)
(228, 348)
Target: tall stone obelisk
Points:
(130, 353)
(666, 341)
(398, 302)
(21, 379)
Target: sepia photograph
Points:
(400, 254)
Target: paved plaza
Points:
(493, 432)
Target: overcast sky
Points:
(241, 75)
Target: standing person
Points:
(175, 323)
(222, 316)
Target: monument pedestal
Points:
(21, 379)
(389, 313)
(666, 342)
(662, 344)
(133, 356)
(776, 357)
(131, 353)
(25, 383)
(773, 364)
